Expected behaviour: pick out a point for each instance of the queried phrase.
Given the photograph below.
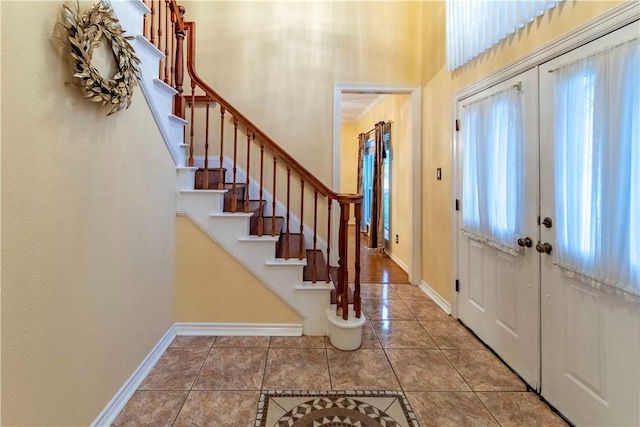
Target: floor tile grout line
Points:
(458, 371)
(326, 354)
(475, 393)
(194, 382)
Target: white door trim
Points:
(608, 22)
(416, 152)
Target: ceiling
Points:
(354, 104)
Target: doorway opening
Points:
(400, 196)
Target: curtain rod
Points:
(371, 130)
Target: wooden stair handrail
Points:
(279, 151)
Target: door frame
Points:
(416, 150)
(610, 21)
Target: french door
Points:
(590, 337)
(574, 340)
(500, 289)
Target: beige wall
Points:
(438, 88)
(277, 62)
(397, 110)
(88, 238)
(349, 156)
(211, 286)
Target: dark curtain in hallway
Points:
(376, 230)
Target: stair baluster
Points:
(167, 57)
(221, 173)
(192, 121)
(205, 183)
(301, 238)
(153, 23)
(314, 261)
(286, 239)
(246, 189)
(273, 202)
(234, 196)
(159, 45)
(261, 219)
(329, 202)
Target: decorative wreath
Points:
(85, 32)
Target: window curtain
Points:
(362, 140)
(376, 230)
(492, 170)
(597, 163)
(475, 26)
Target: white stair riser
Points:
(185, 178)
(200, 203)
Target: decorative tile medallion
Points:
(295, 408)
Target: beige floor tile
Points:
(513, 409)
(151, 408)
(425, 309)
(450, 334)
(219, 408)
(391, 309)
(176, 369)
(363, 369)
(402, 334)
(304, 341)
(376, 291)
(232, 368)
(425, 370)
(369, 337)
(192, 341)
(483, 371)
(449, 409)
(241, 342)
(297, 369)
(409, 291)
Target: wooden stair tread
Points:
(320, 267)
(267, 222)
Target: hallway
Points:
(409, 345)
(375, 267)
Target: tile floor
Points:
(409, 344)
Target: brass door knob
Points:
(544, 248)
(525, 242)
(547, 222)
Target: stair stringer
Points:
(257, 255)
(158, 94)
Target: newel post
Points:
(179, 103)
(357, 209)
(342, 301)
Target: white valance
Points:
(473, 26)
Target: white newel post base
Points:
(345, 334)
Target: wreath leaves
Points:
(84, 33)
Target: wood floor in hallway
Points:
(375, 267)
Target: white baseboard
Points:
(239, 329)
(111, 411)
(401, 264)
(442, 303)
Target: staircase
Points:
(248, 194)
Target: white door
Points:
(590, 337)
(500, 289)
